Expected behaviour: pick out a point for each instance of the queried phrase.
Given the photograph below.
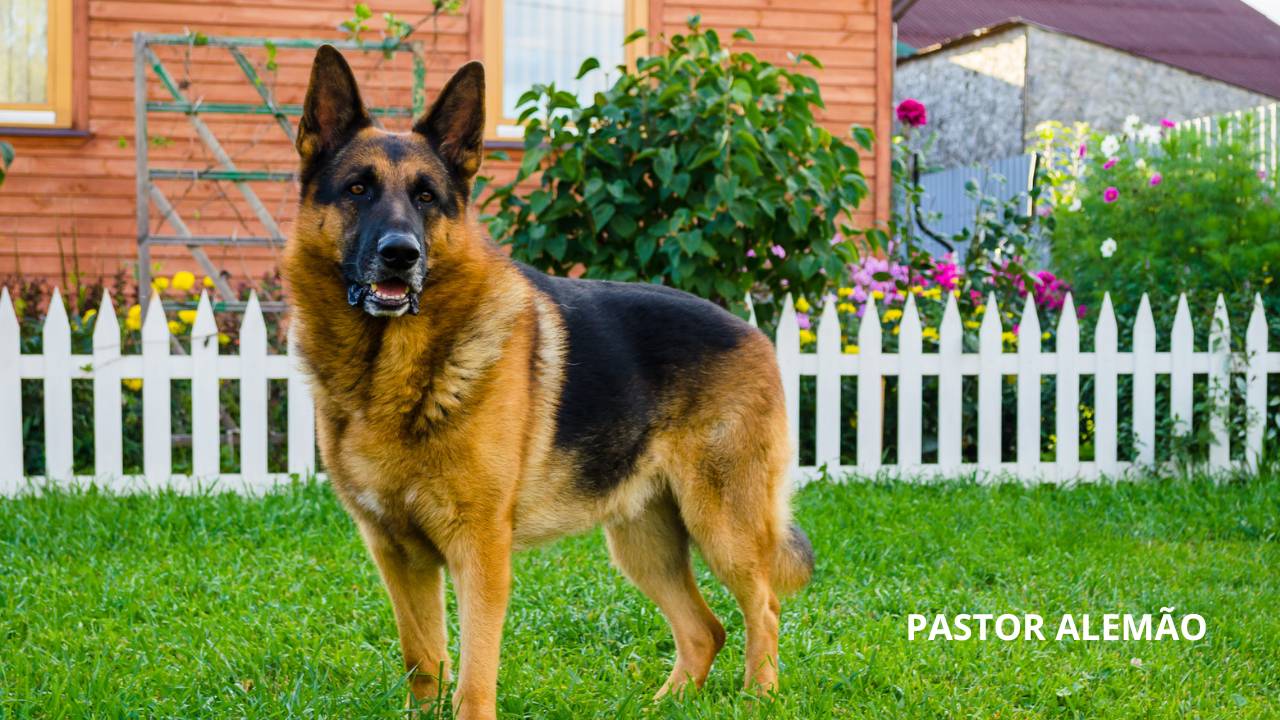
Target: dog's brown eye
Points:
(356, 189)
(425, 197)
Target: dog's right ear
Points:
(333, 112)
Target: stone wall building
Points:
(989, 71)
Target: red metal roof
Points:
(1223, 39)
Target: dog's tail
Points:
(793, 567)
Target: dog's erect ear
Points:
(333, 112)
(455, 123)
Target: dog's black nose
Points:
(398, 250)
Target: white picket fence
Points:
(156, 367)
(254, 366)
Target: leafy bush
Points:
(1164, 211)
(703, 169)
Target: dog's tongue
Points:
(391, 288)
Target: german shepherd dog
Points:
(470, 406)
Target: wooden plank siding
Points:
(74, 195)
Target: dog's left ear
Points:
(455, 123)
(333, 112)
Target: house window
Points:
(545, 41)
(35, 63)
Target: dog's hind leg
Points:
(652, 550)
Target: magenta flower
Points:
(1167, 123)
(1156, 179)
(1083, 150)
(912, 112)
(778, 250)
(1110, 163)
(1110, 195)
(751, 253)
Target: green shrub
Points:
(703, 169)
(1165, 211)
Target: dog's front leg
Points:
(480, 562)
(414, 578)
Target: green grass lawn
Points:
(220, 606)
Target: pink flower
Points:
(803, 321)
(751, 253)
(778, 250)
(1044, 210)
(1167, 123)
(1156, 179)
(1262, 174)
(1083, 149)
(1110, 163)
(1110, 195)
(912, 112)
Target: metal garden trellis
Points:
(144, 59)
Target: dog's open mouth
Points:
(390, 296)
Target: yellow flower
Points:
(972, 324)
(980, 309)
(929, 333)
(223, 338)
(208, 281)
(1044, 335)
(847, 308)
(850, 349)
(176, 327)
(933, 293)
(916, 289)
(187, 316)
(891, 315)
(802, 305)
(1009, 337)
(955, 292)
(877, 294)
(134, 384)
(845, 292)
(88, 315)
(160, 283)
(183, 280)
(896, 328)
(133, 319)
(807, 336)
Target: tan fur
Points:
(437, 432)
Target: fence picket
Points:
(910, 427)
(11, 461)
(1181, 345)
(787, 346)
(1067, 449)
(1219, 387)
(950, 343)
(869, 389)
(253, 395)
(205, 454)
(1028, 389)
(108, 447)
(157, 426)
(1105, 416)
(302, 411)
(989, 380)
(56, 354)
(828, 400)
(1144, 384)
(1255, 402)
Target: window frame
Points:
(59, 79)
(636, 15)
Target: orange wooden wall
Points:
(73, 197)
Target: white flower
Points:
(1131, 124)
(1149, 134)
(1108, 247)
(1141, 163)
(1075, 205)
(1110, 145)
